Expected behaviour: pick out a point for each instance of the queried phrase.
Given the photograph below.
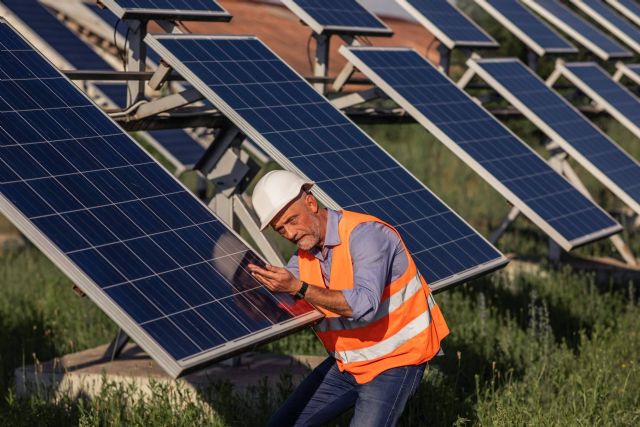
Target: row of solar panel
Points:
(134, 266)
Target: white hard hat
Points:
(274, 191)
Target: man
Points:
(382, 324)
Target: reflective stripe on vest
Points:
(387, 346)
(386, 307)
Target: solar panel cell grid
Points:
(600, 86)
(148, 252)
(303, 131)
(527, 26)
(448, 23)
(427, 94)
(565, 124)
(616, 24)
(578, 28)
(198, 10)
(336, 14)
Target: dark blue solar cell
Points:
(173, 339)
(597, 83)
(197, 10)
(109, 208)
(319, 139)
(447, 23)
(568, 126)
(228, 325)
(161, 295)
(578, 28)
(531, 27)
(341, 15)
(494, 150)
(134, 302)
(62, 233)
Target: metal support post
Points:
(116, 346)
(445, 58)
(137, 57)
(506, 222)
(321, 64)
(532, 59)
(466, 78)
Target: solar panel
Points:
(176, 145)
(448, 24)
(130, 235)
(579, 29)
(628, 8)
(338, 16)
(598, 85)
(616, 24)
(480, 140)
(564, 124)
(525, 25)
(300, 129)
(40, 20)
(183, 10)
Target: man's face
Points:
(299, 222)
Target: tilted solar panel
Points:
(186, 10)
(598, 85)
(338, 16)
(480, 140)
(448, 24)
(40, 20)
(299, 128)
(130, 235)
(614, 23)
(176, 145)
(564, 124)
(525, 25)
(629, 8)
(579, 29)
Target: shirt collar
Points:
(331, 235)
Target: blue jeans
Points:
(327, 392)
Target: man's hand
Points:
(276, 279)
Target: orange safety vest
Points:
(407, 328)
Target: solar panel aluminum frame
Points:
(469, 160)
(173, 367)
(620, 7)
(318, 28)
(550, 132)
(440, 35)
(593, 14)
(167, 14)
(283, 161)
(577, 36)
(628, 72)
(523, 36)
(594, 95)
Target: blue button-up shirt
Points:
(378, 259)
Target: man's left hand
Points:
(276, 279)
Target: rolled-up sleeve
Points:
(293, 266)
(373, 247)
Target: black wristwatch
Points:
(301, 291)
